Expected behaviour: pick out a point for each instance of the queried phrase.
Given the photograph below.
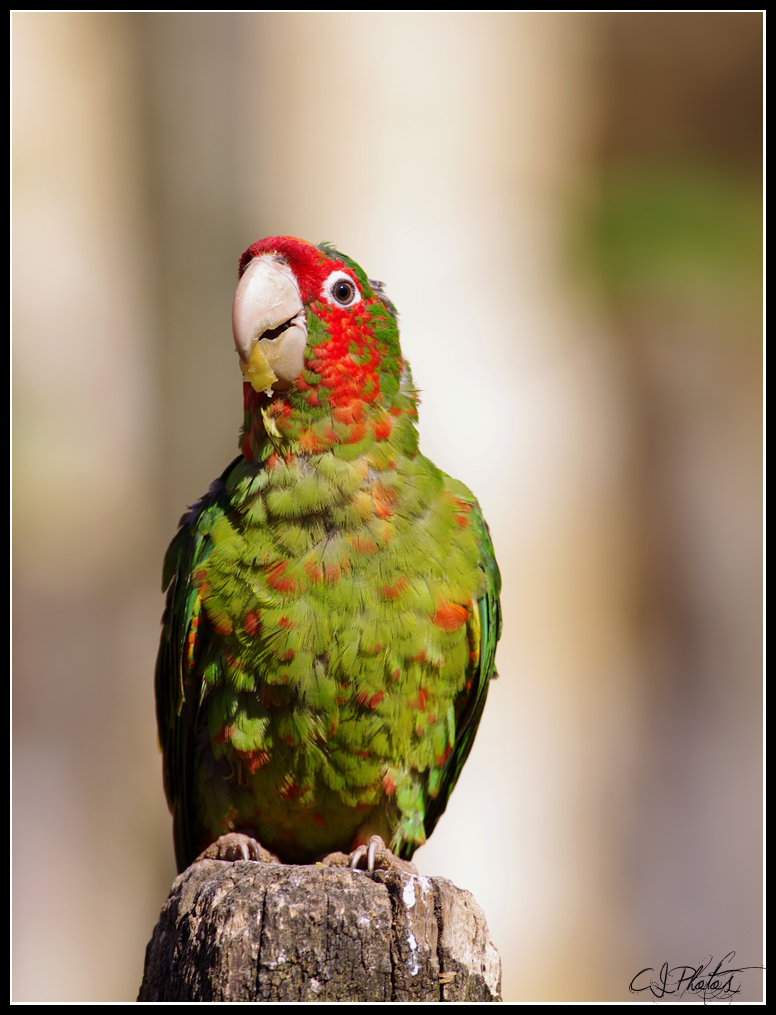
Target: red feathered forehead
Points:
(310, 265)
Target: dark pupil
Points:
(343, 291)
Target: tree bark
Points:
(248, 931)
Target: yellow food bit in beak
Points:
(258, 372)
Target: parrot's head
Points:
(319, 350)
(307, 317)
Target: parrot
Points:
(332, 608)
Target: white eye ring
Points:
(340, 290)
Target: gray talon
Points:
(374, 842)
(355, 856)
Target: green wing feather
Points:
(471, 704)
(185, 643)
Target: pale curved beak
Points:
(269, 324)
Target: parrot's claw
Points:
(370, 852)
(237, 846)
(357, 856)
(377, 857)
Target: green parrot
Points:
(332, 603)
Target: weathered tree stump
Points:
(247, 931)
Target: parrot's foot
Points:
(375, 855)
(237, 846)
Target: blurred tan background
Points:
(566, 210)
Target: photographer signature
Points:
(703, 981)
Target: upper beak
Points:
(269, 324)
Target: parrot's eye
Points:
(343, 291)
(340, 289)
